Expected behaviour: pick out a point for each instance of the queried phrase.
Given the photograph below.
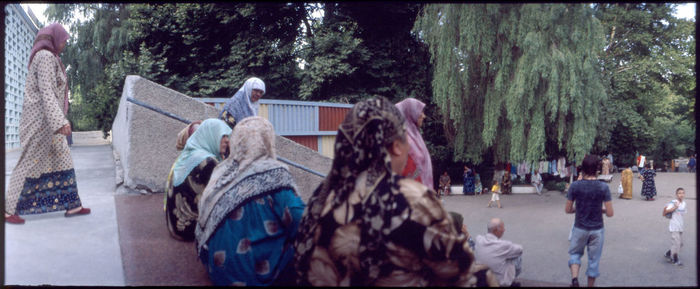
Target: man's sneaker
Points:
(676, 260)
(668, 257)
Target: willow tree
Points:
(522, 80)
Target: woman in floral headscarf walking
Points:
(365, 225)
(44, 178)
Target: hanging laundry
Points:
(561, 164)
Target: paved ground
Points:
(84, 250)
(635, 237)
(110, 247)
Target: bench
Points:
(517, 189)
(605, 178)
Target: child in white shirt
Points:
(675, 226)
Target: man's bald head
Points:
(496, 227)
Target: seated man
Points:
(536, 181)
(501, 256)
(444, 186)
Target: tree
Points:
(95, 45)
(198, 49)
(359, 51)
(209, 50)
(521, 80)
(649, 62)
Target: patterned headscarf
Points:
(239, 105)
(204, 142)
(251, 170)
(412, 109)
(185, 134)
(360, 147)
(50, 38)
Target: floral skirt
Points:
(54, 191)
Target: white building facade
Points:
(20, 32)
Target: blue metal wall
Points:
(292, 118)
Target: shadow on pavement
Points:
(150, 256)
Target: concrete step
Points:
(519, 189)
(94, 137)
(524, 189)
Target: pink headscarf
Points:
(412, 109)
(50, 38)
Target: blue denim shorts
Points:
(580, 239)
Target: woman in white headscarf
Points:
(244, 103)
(249, 212)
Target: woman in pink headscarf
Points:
(44, 178)
(419, 166)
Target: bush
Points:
(555, 185)
(520, 181)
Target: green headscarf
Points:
(204, 142)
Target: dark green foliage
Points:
(554, 185)
(94, 46)
(209, 50)
(203, 50)
(649, 62)
(358, 51)
(508, 82)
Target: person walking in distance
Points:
(591, 198)
(677, 209)
(495, 191)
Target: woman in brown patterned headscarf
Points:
(185, 134)
(367, 226)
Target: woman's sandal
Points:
(14, 219)
(82, 211)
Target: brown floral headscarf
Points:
(360, 147)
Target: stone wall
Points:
(144, 140)
(306, 182)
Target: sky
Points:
(686, 10)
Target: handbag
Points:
(667, 216)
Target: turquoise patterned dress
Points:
(253, 245)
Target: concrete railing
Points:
(144, 140)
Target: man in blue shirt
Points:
(691, 164)
(592, 199)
